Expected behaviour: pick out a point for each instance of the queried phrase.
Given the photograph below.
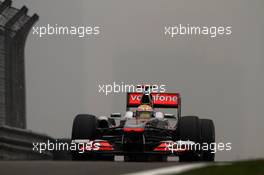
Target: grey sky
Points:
(221, 79)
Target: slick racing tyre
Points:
(189, 130)
(84, 127)
(208, 137)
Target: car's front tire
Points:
(84, 127)
(208, 137)
(189, 130)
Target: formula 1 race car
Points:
(143, 133)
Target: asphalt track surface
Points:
(77, 167)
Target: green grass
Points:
(253, 167)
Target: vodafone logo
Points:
(158, 99)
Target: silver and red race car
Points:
(144, 133)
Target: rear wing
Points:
(159, 100)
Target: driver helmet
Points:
(144, 112)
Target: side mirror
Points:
(115, 115)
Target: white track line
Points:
(170, 170)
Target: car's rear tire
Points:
(84, 127)
(208, 137)
(189, 130)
